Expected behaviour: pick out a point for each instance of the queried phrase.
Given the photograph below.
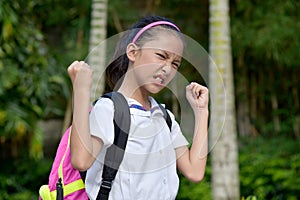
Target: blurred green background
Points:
(40, 38)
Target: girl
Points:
(146, 60)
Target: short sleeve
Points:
(101, 121)
(178, 139)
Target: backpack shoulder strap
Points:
(166, 116)
(115, 153)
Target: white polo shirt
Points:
(148, 170)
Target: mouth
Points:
(159, 79)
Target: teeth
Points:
(159, 79)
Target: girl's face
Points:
(156, 63)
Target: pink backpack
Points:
(71, 181)
(65, 182)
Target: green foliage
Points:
(20, 180)
(66, 29)
(269, 168)
(194, 191)
(39, 38)
(33, 79)
(268, 33)
(266, 47)
(23, 55)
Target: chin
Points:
(154, 88)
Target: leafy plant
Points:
(195, 191)
(269, 168)
(28, 78)
(21, 179)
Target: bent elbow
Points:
(79, 164)
(195, 177)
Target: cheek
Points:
(149, 68)
(173, 74)
(144, 71)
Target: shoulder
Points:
(101, 120)
(102, 106)
(103, 102)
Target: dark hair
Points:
(118, 67)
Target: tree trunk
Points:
(225, 169)
(276, 119)
(243, 118)
(97, 46)
(253, 102)
(295, 92)
(274, 104)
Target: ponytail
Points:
(116, 70)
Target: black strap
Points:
(82, 175)
(59, 190)
(115, 153)
(166, 116)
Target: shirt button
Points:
(165, 181)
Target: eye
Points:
(175, 65)
(161, 55)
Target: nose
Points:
(166, 68)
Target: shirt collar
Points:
(138, 108)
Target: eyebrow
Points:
(177, 57)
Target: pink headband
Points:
(152, 25)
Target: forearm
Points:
(199, 148)
(193, 163)
(81, 140)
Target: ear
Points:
(131, 51)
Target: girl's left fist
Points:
(197, 95)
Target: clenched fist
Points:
(197, 96)
(81, 75)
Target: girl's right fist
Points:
(80, 74)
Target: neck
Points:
(141, 96)
(131, 88)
